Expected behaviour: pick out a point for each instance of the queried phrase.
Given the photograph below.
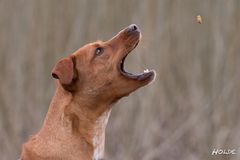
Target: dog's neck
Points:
(91, 123)
(88, 119)
(79, 121)
(98, 138)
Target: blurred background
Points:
(192, 107)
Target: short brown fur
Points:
(88, 83)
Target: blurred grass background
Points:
(192, 107)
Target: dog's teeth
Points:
(146, 71)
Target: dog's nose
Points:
(132, 27)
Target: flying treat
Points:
(199, 19)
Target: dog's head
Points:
(97, 69)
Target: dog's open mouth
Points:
(145, 75)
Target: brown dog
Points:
(89, 82)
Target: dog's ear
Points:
(64, 71)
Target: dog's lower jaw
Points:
(65, 137)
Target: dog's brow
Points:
(97, 44)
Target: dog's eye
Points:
(99, 51)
